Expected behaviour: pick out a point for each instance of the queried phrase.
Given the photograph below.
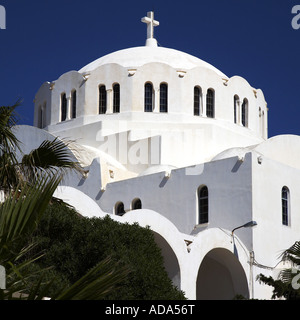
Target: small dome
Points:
(138, 56)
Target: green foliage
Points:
(27, 188)
(74, 244)
(282, 287)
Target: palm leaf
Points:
(51, 157)
(21, 212)
(97, 283)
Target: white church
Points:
(171, 142)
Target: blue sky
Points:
(253, 39)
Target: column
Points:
(203, 105)
(68, 115)
(109, 97)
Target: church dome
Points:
(139, 56)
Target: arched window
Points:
(163, 90)
(210, 103)
(285, 199)
(119, 209)
(236, 105)
(197, 101)
(116, 102)
(136, 204)
(40, 117)
(74, 104)
(102, 100)
(203, 205)
(245, 113)
(149, 97)
(63, 116)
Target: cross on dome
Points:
(151, 23)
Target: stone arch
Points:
(221, 277)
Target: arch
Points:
(163, 97)
(63, 107)
(197, 100)
(74, 104)
(148, 97)
(285, 205)
(116, 98)
(136, 204)
(168, 239)
(221, 276)
(119, 209)
(102, 99)
(171, 263)
(210, 103)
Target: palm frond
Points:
(8, 119)
(51, 157)
(21, 212)
(99, 281)
(292, 254)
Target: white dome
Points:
(138, 56)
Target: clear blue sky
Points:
(253, 39)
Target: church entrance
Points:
(221, 277)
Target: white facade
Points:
(178, 146)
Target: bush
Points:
(74, 244)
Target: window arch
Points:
(210, 103)
(197, 101)
(149, 97)
(136, 204)
(236, 105)
(102, 99)
(74, 104)
(63, 115)
(202, 204)
(285, 205)
(116, 99)
(119, 209)
(245, 113)
(163, 93)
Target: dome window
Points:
(116, 102)
(74, 104)
(63, 107)
(163, 97)
(210, 103)
(236, 108)
(197, 101)
(245, 113)
(149, 93)
(102, 100)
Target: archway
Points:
(170, 260)
(221, 277)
